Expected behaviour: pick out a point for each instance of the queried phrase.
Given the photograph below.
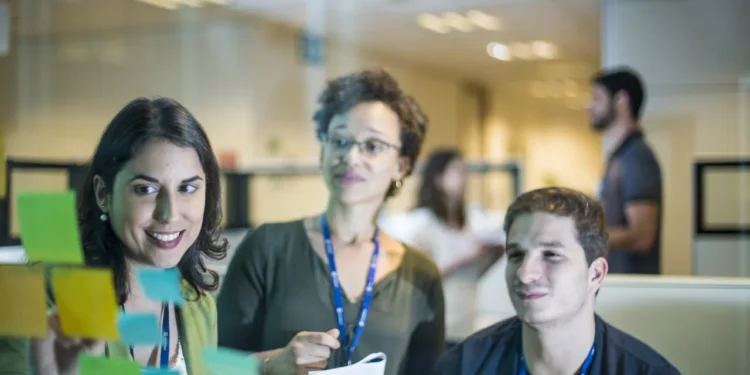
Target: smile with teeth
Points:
(164, 236)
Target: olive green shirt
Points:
(277, 286)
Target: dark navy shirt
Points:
(633, 174)
(496, 350)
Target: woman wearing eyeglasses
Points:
(328, 290)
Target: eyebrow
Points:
(544, 244)
(155, 181)
(551, 244)
(343, 126)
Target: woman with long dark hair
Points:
(151, 198)
(453, 235)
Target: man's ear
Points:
(597, 273)
(102, 194)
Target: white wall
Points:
(692, 54)
(244, 80)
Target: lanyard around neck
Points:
(584, 368)
(337, 296)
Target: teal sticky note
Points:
(160, 284)
(139, 329)
(90, 365)
(230, 362)
(158, 371)
(49, 227)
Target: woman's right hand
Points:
(308, 351)
(57, 354)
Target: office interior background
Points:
(506, 81)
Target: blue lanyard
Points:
(337, 299)
(584, 368)
(164, 358)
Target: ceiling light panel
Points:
(473, 20)
(537, 50)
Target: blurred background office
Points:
(504, 81)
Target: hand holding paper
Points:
(307, 351)
(373, 364)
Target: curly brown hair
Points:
(587, 214)
(374, 85)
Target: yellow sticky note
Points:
(49, 228)
(23, 303)
(86, 302)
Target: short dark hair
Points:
(627, 80)
(138, 122)
(374, 85)
(587, 214)
(431, 195)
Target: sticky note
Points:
(90, 365)
(160, 284)
(158, 371)
(139, 329)
(86, 302)
(23, 302)
(230, 362)
(49, 228)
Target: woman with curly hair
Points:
(324, 291)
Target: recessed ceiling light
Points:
(499, 51)
(484, 20)
(458, 22)
(522, 51)
(433, 23)
(544, 50)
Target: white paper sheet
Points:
(373, 364)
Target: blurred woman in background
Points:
(328, 290)
(152, 198)
(460, 240)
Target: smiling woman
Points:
(151, 198)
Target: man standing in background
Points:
(631, 190)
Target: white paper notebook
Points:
(373, 364)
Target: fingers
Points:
(312, 349)
(334, 333)
(323, 338)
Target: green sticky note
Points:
(230, 362)
(90, 365)
(49, 228)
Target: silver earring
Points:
(398, 184)
(103, 217)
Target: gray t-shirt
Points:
(277, 286)
(633, 174)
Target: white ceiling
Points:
(390, 26)
(386, 26)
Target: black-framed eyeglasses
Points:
(368, 147)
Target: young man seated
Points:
(556, 249)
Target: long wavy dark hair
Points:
(138, 122)
(431, 194)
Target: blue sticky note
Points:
(158, 371)
(230, 362)
(139, 329)
(160, 284)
